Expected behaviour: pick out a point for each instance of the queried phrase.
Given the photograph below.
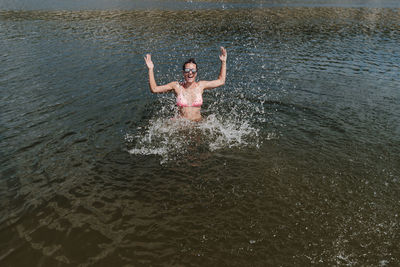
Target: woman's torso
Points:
(189, 101)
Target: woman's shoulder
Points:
(174, 84)
(202, 84)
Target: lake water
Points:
(296, 162)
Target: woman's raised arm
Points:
(154, 88)
(222, 73)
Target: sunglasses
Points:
(190, 70)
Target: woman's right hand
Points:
(149, 63)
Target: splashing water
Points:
(232, 119)
(177, 137)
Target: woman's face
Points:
(190, 76)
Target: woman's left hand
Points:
(148, 61)
(223, 55)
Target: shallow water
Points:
(295, 163)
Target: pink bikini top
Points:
(181, 101)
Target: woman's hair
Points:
(190, 60)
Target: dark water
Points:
(296, 162)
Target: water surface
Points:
(295, 163)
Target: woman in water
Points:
(189, 93)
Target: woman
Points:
(189, 93)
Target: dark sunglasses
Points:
(190, 70)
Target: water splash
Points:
(174, 138)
